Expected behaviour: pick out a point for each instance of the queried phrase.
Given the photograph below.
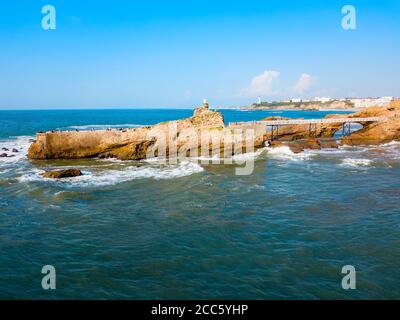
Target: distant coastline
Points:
(320, 104)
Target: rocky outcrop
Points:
(298, 146)
(377, 132)
(372, 133)
(204, 132)
(60, 174)
(328, 143)
(304, 131)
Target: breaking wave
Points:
(103, 126)
(284, 153)
(235, 158)
(20, 143)
(93, 177)
(356, 163)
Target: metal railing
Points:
(309, 121)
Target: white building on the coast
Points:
(295, 100)
(322, 99)
(371, 102)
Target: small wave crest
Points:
(284, 153)
(242, 157)
(103, 126)
(356, 163)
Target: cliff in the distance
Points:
(303, 105)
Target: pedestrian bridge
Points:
(309, 121)
(274, 125)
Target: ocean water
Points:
(143, 230)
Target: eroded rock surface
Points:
(60, 174)
(298, 146)
(205, 132)
(377, 132)
(372, 133)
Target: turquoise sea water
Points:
(129, 230)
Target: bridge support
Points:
(346, 130)
(312, 130)
(274, 131)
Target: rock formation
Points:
(60, 174)
(377, 132)
(298, 146)
(302, 131)
(372, 133)
(205, 134)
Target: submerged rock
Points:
(4, 149)
(301, 145)
(328, 144)
(15, 150)
(3, 155)
(276, 144)
(59, 174)
(298, 146)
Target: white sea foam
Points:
(356, 163)
(392, 144)
(249, 155)
(389, 151)
(20, 143)
(242, 157)
(393, 148)
(284, 153)
(104, 126)
(96, 178)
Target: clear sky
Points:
(173, 53)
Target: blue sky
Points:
(173, 53)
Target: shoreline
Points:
(298, 109)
